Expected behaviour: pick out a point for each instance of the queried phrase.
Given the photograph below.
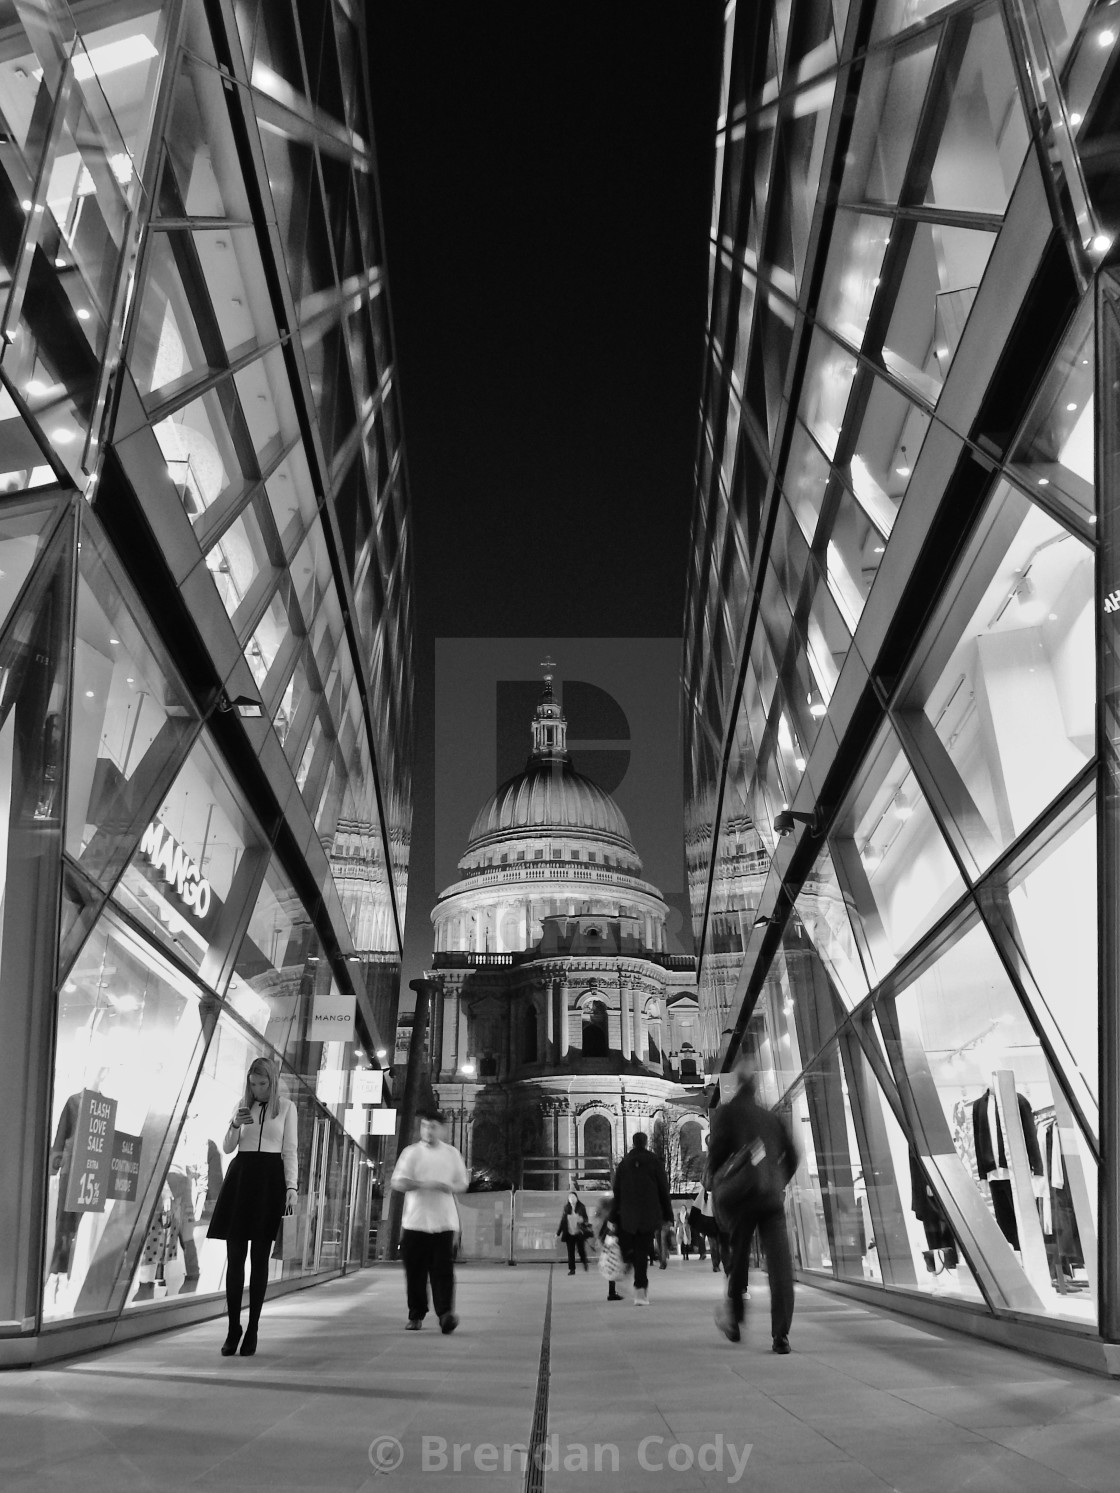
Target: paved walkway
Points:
(867, 1401)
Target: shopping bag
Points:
(611, 1264)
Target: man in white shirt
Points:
(429, 1174)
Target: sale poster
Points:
(88, 1185)
(124, 1167)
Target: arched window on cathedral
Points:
(529, 1039)
(595, 1030)
(597, 1140)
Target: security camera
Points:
(786, 819)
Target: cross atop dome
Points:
(550, 729)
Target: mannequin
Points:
(991, 1157)
(1059, 1222)
(926, 1208)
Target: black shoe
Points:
(615, 1296)
(781, 1345)
(571, 1272)
(725, 1321)
(413, 1324)
(448, 1322)
(229, 1347)
(249, 1346)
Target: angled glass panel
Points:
(900, 15)
(291, 496)
(910, 1243)
(131, 720)
(130, 1036)
(231, 264)
(1007, 690)
(806, 480)
(201, 454)
(296, 692)
(1056, 955)
(827, 382)
(167, 349)
(22, 463)
(22, 532)
(200, 144)
(891, 97)
(984, 136)
(311, 575)
(962, 1035)
(852, 556)
(828, 641)
(805, 1201)
(239, 558)
(823, 910)
(272, 632)
(806, 129)
(944, 267)
(82, 902)
(278, 968)
(851, 278)
(896, 870)
(195, 864)
(1054, 453)
(886, 446)
(265, 392)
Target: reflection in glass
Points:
(1013, 702)
(824, 915)
(200, 452)
(1054, 454)
(890, 104)
(896, 869)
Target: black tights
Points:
(235, 1278)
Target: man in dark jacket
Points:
(739, 1123)
(641, 1206)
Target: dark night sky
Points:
(546, 177)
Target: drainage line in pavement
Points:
(534, 1466)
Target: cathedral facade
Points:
(563, 1024)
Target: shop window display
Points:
(130, 1034)
(1002, 706)
(1002, 1126)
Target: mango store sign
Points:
(332, 1018)
(169, 860)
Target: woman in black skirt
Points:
(258, 1191)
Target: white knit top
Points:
(276, 1135)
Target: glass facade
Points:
(205, 642)
(899, 662)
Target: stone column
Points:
(626, 1031)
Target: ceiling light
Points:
(1102, 243)
(60, 264)
(1105, 38)
(942, 352)
(113, 642)
(1044, 482)
(62, 437)
(83, 314)
(89, 694)
(903, 471)
(1075, 120)
(25, 205)
(799, 763)
(1052, 617)
(879, 548)
(817, 709)
(36, 388)
(1071, 407)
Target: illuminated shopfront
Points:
(205, 614)
(900, 641)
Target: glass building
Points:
(205, 624)
(900, 645)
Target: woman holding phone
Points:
(258, 1191)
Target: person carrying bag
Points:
(751, 1158)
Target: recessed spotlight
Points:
(83, 314)
(26, 205)
(799, 763)
(879, 549)
(1053, 617)
(1071, 408)
(62, 437)
(1102, 243)
(36, 388)
(130, 680)
(113, 642)
(60, 264)
(1105, 38)
(942, 352)
(1075, 120)
(89, 694)
(1044, 482)
(903, 471)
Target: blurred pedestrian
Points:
(641, 1205)
(430, 1173)
(574, 1229)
